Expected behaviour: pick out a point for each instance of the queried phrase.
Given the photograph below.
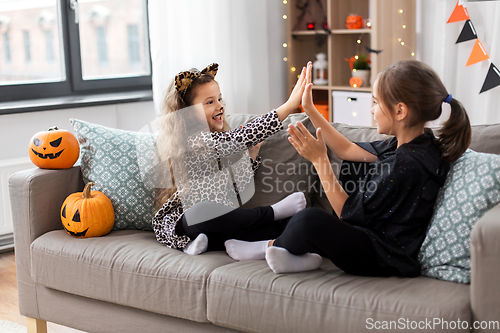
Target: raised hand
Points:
(307, 99)
(298, 90)
(293, 102)
(314, 150)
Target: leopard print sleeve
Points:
(256, 163)
(164, 223)
(248, 135)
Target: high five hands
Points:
(304, 142)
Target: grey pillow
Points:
(109, 158)
(472, 188)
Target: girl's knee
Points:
(309, 221)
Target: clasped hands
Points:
(312, 149)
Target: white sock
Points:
(289, 206)
(282, 261)
(241, 250)
(197, 246)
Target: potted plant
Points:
(360, 67)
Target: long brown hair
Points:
(418, 86)
(170, 139)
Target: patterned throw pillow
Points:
(111, 159)
(472, 188)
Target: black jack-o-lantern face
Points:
(56, 143)
(54, 149)
(69, 225)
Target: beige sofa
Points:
(128, 282)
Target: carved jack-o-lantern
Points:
(356, 82)
(87, 214)
(54, 149)
(354, 22)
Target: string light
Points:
(400, 40)
(285, 45)
(293, 69)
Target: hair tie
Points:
(184, 79)
(448, 99)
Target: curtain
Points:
(244, 37)
(436, 46)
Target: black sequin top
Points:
(392, 200)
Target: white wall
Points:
(17, 129)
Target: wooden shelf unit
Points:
(386, 27)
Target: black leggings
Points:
(348, 247)
(251, 225)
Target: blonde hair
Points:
(171, 136)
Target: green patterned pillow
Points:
(109, 158)
(472, 188)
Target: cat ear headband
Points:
(184, 79)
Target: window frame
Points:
(74, 90)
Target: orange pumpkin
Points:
(355, 82)
(354, 22)
(54, 149)
(87, 214)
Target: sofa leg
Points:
(36, 325)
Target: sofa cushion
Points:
(248, 296)
(485, 138)
(283, 171)
(472, 188)
(111, 159)
(126, 267)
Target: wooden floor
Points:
(9, 302)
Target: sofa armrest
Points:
(485, 267)
(36, 196)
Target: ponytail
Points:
(455, 135)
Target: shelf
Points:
(349, 88)
(345, 88)
(309, 32)
(321, 87)
(350, 31)
(341, 43)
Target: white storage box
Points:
(352, 107)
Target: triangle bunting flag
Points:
(468, 32)
(492, 78)
(460, 13)
(478, 54)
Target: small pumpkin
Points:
(355, 82)
(87, 214)
(54, 149)
(354, 22)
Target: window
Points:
(133, 44)
(6, 44)
(102, 47)
(49, 46)
(27, 46)
(73, 48)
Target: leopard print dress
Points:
(208, 180)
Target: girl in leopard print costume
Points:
(210, 170)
